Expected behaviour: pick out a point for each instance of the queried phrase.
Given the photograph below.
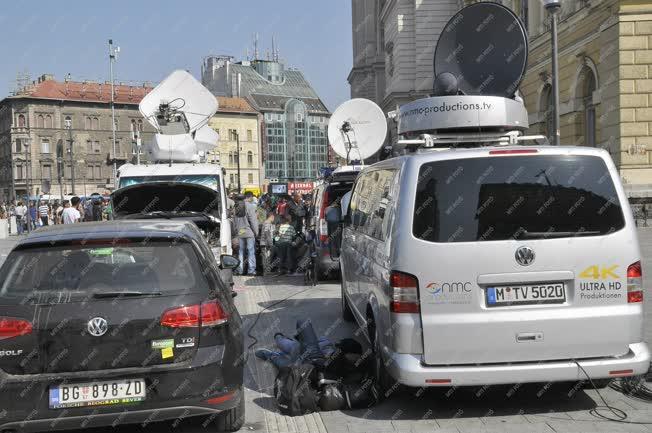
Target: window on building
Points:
(249, 135)
(89, 146)
(133, 125)
(48, 121)
(40, 121)
(230, 157)
(19, 172)
(546, 110)
(233, 134)
(45, 145)
(588, 86)
(232, 178)
(68, 120)
(299, 117)
(140, 125)
(89, 172)
(98, 171)
(19, 145)
(115, 124)
(96, 147)
(96, 123)
(21, 121)
(47, 171)
(87, 123)
(250, 158)
(250, 178)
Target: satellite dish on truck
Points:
(180, 108)
(357, 129)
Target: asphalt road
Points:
(529, 408)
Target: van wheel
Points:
(383, 381)
(347, 314)
(232, 419)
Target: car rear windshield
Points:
(150, 267)
(515, 197)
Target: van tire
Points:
(233, 419)
(383, 381)
(347, 313)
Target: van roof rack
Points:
(470, 139)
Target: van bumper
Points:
(409, 370)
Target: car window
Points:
(153, 266)
(515, 197)
(371, 203)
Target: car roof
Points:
(113, 229)
(154, 170)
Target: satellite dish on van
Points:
(357, 129)
(178, 105)
(485, 46)
(206, 138)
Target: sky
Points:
(156, 38)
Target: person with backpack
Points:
(245, 224)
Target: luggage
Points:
(294, 389)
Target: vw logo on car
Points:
(525, 256)
(97, 326)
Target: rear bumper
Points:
(122, 416)
(408, 370)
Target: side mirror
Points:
(228, 262)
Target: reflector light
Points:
(512, 151)
(437, 381)
(621, 372)
(10, 327)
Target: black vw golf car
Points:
(117, 323)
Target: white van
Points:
(495, 265)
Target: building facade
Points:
(38, 123)
(393, 48)
(236, 121)
(294, 122)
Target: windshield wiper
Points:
(544, 235)
(124, 293)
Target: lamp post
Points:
(28, 184)
(113, 54)
(553, 7)
(72, 162)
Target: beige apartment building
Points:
(237, 121)
(39, 122)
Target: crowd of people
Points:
(39, 213)
(275, 224)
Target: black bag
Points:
(331, 398)
(294, 390)
(360, 395)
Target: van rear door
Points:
(523, 257)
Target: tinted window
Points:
(207, 180)
(82, 269)
(515, 197)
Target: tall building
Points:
(295, 120)
(38, 122)
(393, 48)
(236, 121)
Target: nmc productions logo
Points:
(454, 292)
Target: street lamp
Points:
(68, 123)
(28, 186)
(553, 7)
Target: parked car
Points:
(334, 187)
(115, 323)
(495, 265)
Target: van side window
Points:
(371, 202)
(360, 203)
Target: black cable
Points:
(253, 325)
(619, 414)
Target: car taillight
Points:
(10, 328)
(192, 316)
(634, 283)
(323, 230)
(405, 293)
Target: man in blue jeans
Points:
(246, 229)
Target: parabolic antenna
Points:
(485, 46)
(357, 129)
(206, 138)
(179, 95)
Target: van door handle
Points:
(525, 337)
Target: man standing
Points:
(20, 213)
(44, 212)
(246, 230)
(70, 214)
(33, 214)
(297, 212)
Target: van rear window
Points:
(515, 197)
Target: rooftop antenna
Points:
(357, 129)
(255, 46)
(274, 54)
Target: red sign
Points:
(300, 187)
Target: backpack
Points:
(282, 208)
(294, 390)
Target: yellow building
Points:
(236, 121)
